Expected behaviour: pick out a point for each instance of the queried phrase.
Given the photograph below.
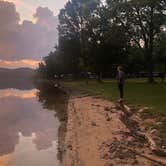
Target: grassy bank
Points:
(137, 92)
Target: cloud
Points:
(27, 40)
(27, 7)
(19, 63)
(45, 17)
(8, 15)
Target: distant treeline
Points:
(96, 36)
(21, 78)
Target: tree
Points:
(135, 62)
(95, 37)
(143, 21)
(52, 65)
(88, 38)
(111, 49)
(74, 20)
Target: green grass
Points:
(137, 92)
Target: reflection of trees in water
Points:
(57, 100)
(17, 83)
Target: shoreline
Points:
(97, 135)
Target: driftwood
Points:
(134, 128)
(152, 145)
(146, 157)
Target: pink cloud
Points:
(27, 40)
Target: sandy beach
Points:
(101, 134)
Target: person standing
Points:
(120, 81)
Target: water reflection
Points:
(29, 133)
(57, 100)
(26, 154)
(18, 93)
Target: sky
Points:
(28, 31)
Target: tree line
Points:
(97, 35)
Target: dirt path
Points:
(97, 136)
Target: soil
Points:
(101, 133)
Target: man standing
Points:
(121, 81)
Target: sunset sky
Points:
(26, 8)
(28, 31)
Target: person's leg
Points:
(121, 90)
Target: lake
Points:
(32, 125)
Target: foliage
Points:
(95, 37)
(143, 21)
(160, 50)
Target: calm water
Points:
(31, 123)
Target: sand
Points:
(97, 136)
